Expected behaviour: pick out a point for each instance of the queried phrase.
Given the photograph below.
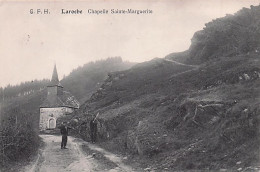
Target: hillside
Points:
(165, 115)
(228, 36)
(85, 80)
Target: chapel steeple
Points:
(54, 88)
(55, 78)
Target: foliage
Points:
(18, 135)
(23, 89)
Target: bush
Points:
(19, 140)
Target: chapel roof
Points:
(64, 100)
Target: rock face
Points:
(232, 35)
(179, 117)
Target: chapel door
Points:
(52, 123)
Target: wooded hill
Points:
(84, 81)
(81, 82)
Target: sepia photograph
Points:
(129, 85)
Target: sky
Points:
(31, 44)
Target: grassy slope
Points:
(149, 110)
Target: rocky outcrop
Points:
(229, 36)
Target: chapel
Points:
(58, 103)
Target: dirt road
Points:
(53, 159)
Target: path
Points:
(173, 61)
(194, 67)
(53, 159)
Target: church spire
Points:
(55, 79)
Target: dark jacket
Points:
(64, 130)
(93, 126)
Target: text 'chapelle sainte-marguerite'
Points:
(106, 11)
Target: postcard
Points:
(134, 85)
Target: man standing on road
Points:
(93, 128)
(64, 132)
